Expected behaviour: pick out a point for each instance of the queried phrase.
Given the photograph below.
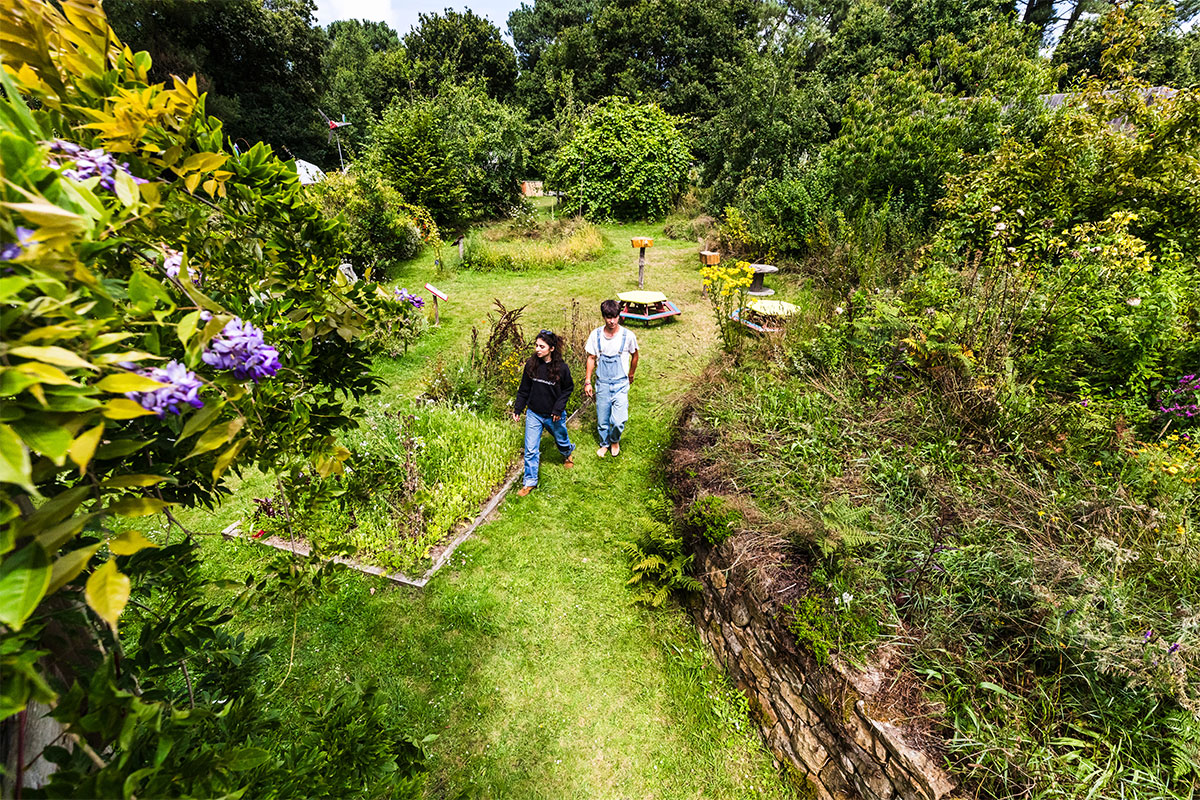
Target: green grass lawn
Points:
(524, 655)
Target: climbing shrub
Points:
(626, 161)
(380, 232)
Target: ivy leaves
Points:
(627, 161)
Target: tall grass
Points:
(553, 245)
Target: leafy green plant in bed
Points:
(713, 518)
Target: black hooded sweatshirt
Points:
(542, 395)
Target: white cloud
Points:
(402, 14)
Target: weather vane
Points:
(333, 134)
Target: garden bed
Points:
(416, 473)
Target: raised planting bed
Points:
(418, 476)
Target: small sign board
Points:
(436, 292)
(642, 241)
(710, 257)
(347, 269)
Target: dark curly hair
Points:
(556, 359)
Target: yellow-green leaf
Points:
(216, 436)
(24, 576)
(137, 506)
(123, 408)
(45, 373)
(105, 339)
(127, 355)
(84, 447)
(107, 592)
(202, 418)
(204, 162)
(51, 539)
(68, 566)
(187, 326)
(192, 181)
(121, 382)
(44, 437)
(131, 481)
(129, 543)
(49, 216)
(15, 466)
(51, 333)
(51, 355)
(226, 458)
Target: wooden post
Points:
(460, 247)
(641, 243)
(437, 294)
(708, 258)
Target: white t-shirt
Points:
(611, 347)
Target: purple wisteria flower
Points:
(413, 300)
(180, 386)
(240, 347)
(90, 163)
(1174, 648)
(10, 251)
(172, 264)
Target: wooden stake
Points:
(437, 318)
(641, 266)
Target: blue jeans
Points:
(612, 409)
(533, 442)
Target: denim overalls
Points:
(612, 392)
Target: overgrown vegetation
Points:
(414, 473)
(985, 455)
(527, 244)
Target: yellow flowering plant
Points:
(726, 288)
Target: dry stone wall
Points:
(823, 722)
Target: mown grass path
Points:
(525, 655)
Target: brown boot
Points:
(524, 490)
(570, 462)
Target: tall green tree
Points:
(460, 47)
(365, 68)
(259, 61)
(459, 154)
(534, 26)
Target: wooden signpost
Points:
(438, 294)
(641, 243)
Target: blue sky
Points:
(402, 14)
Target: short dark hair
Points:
(610, 309)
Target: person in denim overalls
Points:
(606, 348)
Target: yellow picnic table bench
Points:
(647, 307)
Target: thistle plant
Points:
(726, 287)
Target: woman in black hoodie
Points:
(545, 388)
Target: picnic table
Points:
(764, 316)
(646, 306)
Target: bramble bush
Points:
(173, 313)
(625, 161)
